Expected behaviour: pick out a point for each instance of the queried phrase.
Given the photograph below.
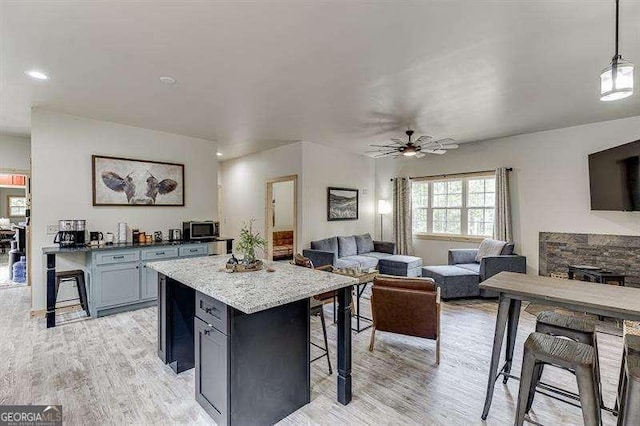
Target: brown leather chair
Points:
(409, 306)
(316, 306)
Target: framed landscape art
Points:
(129, 182)
(342, 204)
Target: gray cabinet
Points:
(119, 279)
(212, 370)
(116, 284)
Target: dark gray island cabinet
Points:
(247, 335)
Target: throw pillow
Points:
(347, 246)
(364, 243)
(489, 247)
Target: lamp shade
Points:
(384, 207)
(616, 81)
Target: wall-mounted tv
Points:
(614, 178)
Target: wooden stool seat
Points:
(567, 322)
(76, 275)
(543, 349)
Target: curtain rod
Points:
(509, 169)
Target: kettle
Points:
(175, 234)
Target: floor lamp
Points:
(383, 208)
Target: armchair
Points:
(408, 306)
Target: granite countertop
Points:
(114, 246)
(251, 292)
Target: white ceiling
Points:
(258, 74)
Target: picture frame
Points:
(119, 181)
(342, 204)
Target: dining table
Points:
(513, 288)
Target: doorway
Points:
(281, 218)
(13, 227)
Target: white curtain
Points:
(402, 216)
(502, 229)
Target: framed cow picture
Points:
(129, 182)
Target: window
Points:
(462, 206)
(16, 206)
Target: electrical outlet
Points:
(52, 229)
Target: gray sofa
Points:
(462, 276)
(361, 251)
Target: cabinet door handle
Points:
(137, 267)
(208, 310)
(159, 253)
(193, 250)
(207, 332)
(118, 257)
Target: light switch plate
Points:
(52, 229)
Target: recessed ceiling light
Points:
(167, 80)
(219, 154)
(37, 75)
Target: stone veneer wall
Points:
(618, 253)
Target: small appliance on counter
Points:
(157, 236)
(96, 238)
(175, 235)
(200, 230)
(81, 232)
(66, 236)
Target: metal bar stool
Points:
(628, 401)
(543, 349)
(76, 275)
(317, 309)
(578, 329)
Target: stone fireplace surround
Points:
(618, 253)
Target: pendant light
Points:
(616, 80)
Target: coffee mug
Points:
(109, 238)
(96, 236)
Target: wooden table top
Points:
(622, 302)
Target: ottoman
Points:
(453, 281)
(400, 265)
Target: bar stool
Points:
(628, 401)
(77, 276)
(317, 309)
(543, 349)
(581, 330)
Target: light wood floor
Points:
(106, 371)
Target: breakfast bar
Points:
(247, 335)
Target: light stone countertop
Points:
(251, 292)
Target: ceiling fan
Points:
(418, 148)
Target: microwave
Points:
(200, 230)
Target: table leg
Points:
(501, 324)
(344, 345)
(512, 332)
(51, 290)
(229, 246)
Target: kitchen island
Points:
(247, 335)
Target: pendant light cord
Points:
(617, 30)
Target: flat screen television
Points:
(614, 178)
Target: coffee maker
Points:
(71, 233)
(66, 235)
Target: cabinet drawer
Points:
(159, 253)
(118, 257)
(212, 312)
(195, 250)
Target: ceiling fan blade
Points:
(451, 146)
(384, 146)
(373, 151)
(384, 154)
(398, 141)
(444, 141)
(423, 138)
(435, 151)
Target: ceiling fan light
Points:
(621, 86)
(409, 153)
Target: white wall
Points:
(324, 167)
(318, 167)
(549, 183)
(14, 153)
(62, 146)
(244, 183)
(283, 206)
